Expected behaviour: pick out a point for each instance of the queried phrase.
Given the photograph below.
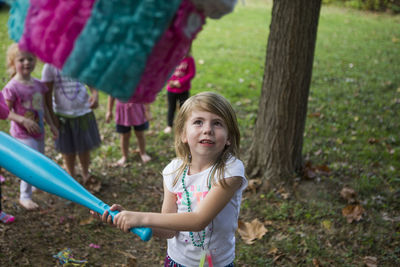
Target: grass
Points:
(352, 128)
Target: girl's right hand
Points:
(31, 126)
(109, 116)
(106, 217)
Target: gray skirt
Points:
(77, 135)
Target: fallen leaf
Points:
(316, 262)
(327, 224)
(131, 261)
(373, 141)
(353, 213)
(314, 115)
(323, 169)
(273, 251)
(254, 184)
(371, 261)
(349, 195)
(268, 222)
(86, 221)
(250, 231)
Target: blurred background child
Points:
(128, 115)
(24, 96)
(71, 108)
(178, 87)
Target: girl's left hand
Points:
(55, 132)
(125, 220)
(94, 101)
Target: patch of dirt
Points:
(36, 236)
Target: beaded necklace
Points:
(63, 91)
(203, 232)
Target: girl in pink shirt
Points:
(128, 115)
(178, 87)
(24, 96)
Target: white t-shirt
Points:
(220, 233)
(70, 97)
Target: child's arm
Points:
(94, 98)
(168, 206)
(49, 102)
(30, 126)
(190, 73)
(147, 112)
(110, 106)
(216, 199)
(49, 119)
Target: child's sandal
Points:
(6, 218)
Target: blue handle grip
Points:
(144, 233)
(40, 171)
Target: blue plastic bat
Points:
(43, 173)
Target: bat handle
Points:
(143, 232)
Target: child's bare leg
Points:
(142, 146)
(124, 144)
(84, 159)
(69, 163)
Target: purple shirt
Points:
(28, 101)
(3, 108)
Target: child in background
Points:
(24, 96)
(178, 87)
(71, 107)
(202, 187)
(129, 115)
(4, 113)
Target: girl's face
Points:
(24, 63)
(206, 134)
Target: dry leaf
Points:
(268, 222)
(131, 261)
(316, 262)
(86, 221)
(353, 213)
(273, 251)
(327, 224)
(254, 184)
(314, 115)
(323, 169)
(373, 140)
(349, 194)
(371, 261)
(250, 231)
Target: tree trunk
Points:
(276, 150)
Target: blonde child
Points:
(24, 96)
(130, 115)
(202, 187)
(71, 108)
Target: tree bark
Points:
(276, 151)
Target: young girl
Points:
(178, 87)
(25, 99)
(202, 187)
(71, 108)
(129, 115)
(4, 114)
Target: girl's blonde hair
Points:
(12, 53)
(218, 105)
